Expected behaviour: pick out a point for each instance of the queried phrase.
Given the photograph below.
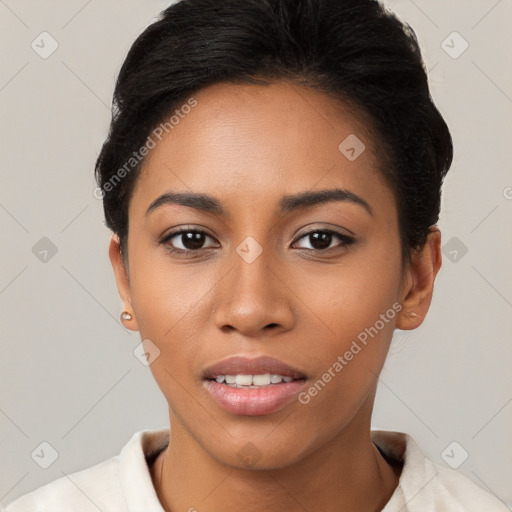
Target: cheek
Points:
(170, 301)
(348, 297)
(355, 307)
(160, 294)
(166, 302)
(347, 359)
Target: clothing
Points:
(123, 483)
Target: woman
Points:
(272, 178)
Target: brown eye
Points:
(321, 240)
(186, 240)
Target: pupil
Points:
(321, 240)
(193, 240)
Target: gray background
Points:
(68, 373)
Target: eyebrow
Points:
(288, 204)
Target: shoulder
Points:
(457, 493)
(118, 484)
(425, 485)
(461, 490)
(92, 489)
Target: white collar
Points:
(423, 484)
(146, 444)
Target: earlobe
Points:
(418, 290)
(123, 284)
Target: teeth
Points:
(261, 380)
(243, 380)
(252, 380)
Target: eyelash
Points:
(346, 240)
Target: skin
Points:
(248, 146)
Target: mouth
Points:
(253, 381)
(253, 387)
(256, 367)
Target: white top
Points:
(123, 482)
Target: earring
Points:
(125, 315)
(413, 314)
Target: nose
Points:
(254, 299)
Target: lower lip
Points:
(254, 401)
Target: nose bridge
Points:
(252, 268)
(252, 297)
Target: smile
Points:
(252, 381)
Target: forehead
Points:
(250, 143)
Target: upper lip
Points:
(240, 365)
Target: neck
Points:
(347, 473)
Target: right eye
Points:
(185, 240)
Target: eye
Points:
(321, 240)
(185, 240)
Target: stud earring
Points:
(413, 314)
(125, 315)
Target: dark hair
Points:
(353, 50)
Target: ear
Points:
(416, 293)
(122, 281)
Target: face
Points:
(265, 267)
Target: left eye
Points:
(321, 239)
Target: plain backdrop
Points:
(68, 374)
